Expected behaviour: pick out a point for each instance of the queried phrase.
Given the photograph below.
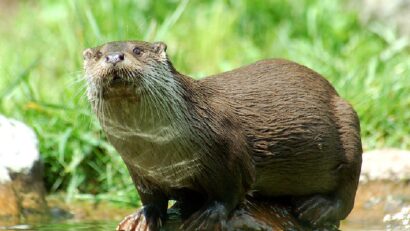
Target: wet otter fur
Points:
(273, 128)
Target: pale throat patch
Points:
(156, 130)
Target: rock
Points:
(9, 206)
(383, 196)
(22, 192)
(253, 214)
(389, 13)
(400, 219)
(386, 164)
(375, 202)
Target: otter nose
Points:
(114, 57)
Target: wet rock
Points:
(22, 192)
(253, 214)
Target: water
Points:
(111, 225)
(379, 206)
(66, 226)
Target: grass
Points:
(41, 68)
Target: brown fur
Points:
(272, 128)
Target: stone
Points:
(386, 164)
(382, 199)
(22, 192)
(253, 214)
(389, 13)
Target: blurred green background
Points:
(42, 81)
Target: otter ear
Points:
(87, 53)
(159, 47)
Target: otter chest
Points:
(162, 155)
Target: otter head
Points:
(123, 65)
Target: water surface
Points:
(66, 226)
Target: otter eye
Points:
(98, 54)
(137, 50)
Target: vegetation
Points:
(42, 82)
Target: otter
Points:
(271, 129)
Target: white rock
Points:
(386, 164)
(18, 148)
(391, 13)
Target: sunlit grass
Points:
(42, 84)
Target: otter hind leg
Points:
(187, 203)
(318, 210)
(348, 171)
(335, 206)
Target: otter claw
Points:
(211, 218)
(140, 221)
(317, 210)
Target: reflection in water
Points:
(104, 226)
(68, 226)
(400, 219)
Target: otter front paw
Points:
(318, 210)
(212, 217)
(147, 218)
